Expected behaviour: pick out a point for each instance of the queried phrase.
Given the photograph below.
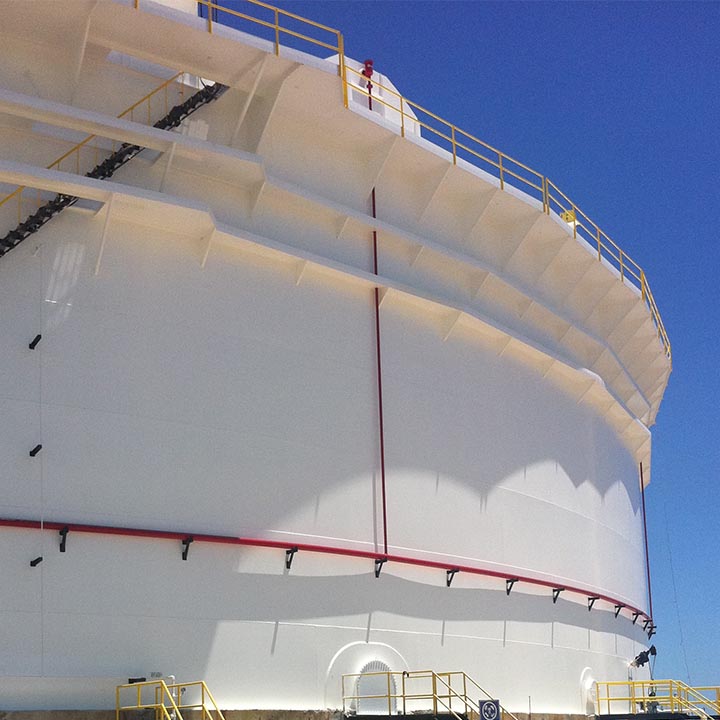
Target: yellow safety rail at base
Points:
(417, 691)
(645, 696)
(712, 692)
(86, 154)
(153, 695)
(167, 700)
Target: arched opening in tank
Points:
(376, 691)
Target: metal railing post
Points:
(598, 699)
(465, 696)
(402, 118)
(341, 67)
(454, 145)
(277, 32)
(389, 693)
(403, 693)
(672, 696)
(574, 212)
(500, 167)
(434, 693)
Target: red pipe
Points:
(379, 380)
(367, 71)
(647, 552)
(284, 545)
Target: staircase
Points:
(167, 701)
(108, 167)
(656, 700)
(424, 694)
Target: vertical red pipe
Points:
(367, 71)
(647, 554)
(379, 380)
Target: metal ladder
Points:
(105, 169)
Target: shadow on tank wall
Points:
(275, 409)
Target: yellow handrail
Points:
(438, 690)
(207, 703)
(467, 678)
(642, 695)
(709, 690)
(214, 9)
(169, 699)
(507, 168)
(162, 695)
(504, 165)
(77, 149)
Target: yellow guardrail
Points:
(168, 700)
(644, 696)
(196, 695)
(279, 22)
(415, 691)
(86, 154)
(460, 144)
(712, 692)
(152, 695)
(464, 146)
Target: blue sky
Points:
(619, 104)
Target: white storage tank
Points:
(310, 389)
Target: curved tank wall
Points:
(208, 366)
(231, 400)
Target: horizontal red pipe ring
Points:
(307, 547)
